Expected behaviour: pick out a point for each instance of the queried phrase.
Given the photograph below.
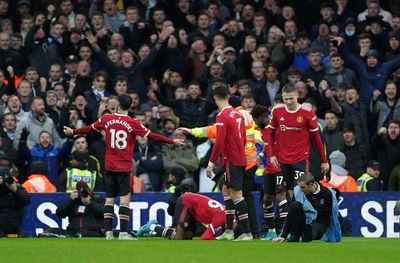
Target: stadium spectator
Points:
(357, 155)
(149, 164)
(332, 132)
(386, 145)
(180, 156)
(370, 181)
(43, 150)
(394, 180)
(36, 121)
(387, 109)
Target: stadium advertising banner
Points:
(370, 214)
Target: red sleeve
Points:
(314, 132)
(208, 235)
(320, 146)
(219, 142)
(139, 129)
(99, 124)
(157, 137)
(84, 130)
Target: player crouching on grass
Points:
(313, 214)
(189, 209)
(120, 135)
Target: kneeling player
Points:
(191, 209)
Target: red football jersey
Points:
(231, 138)
(120, 135)
(291, 130)
(206, 211)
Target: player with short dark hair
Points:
(190, 209)
(291, 127)
(120, 134)
(274, 189)
(230, 146)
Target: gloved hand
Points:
(24, 135)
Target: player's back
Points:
(120, 135)
(204, 209)
(235, 139)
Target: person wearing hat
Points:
(71, 68)
(230, 55)
(394, 46)
(339, 176)
(23, 7)
(356, 154)
(370, 181)
(76, 171)
(175, 177)
(372, 74)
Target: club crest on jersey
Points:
(299, 119)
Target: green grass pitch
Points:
(163, 251)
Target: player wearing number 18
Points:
(120, 134)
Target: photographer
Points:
(85, 215)
(13, 198)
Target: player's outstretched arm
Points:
(69, 132)
(157, 137)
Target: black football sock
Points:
(124, 218)
(243, 216)
(108, 217)
(283, 207)
(229, 212)
(166, 232)
(269, 216)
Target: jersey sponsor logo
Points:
(219, 124)
(299, 119)
(284, 128)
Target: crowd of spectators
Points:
(64, 62)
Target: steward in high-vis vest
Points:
(77, 171)
(37, 180)
(175, 177)
(369, 181)
(251, 155)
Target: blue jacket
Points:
(300, 60)
(51, 155)
(333, 232)
(370, 78)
